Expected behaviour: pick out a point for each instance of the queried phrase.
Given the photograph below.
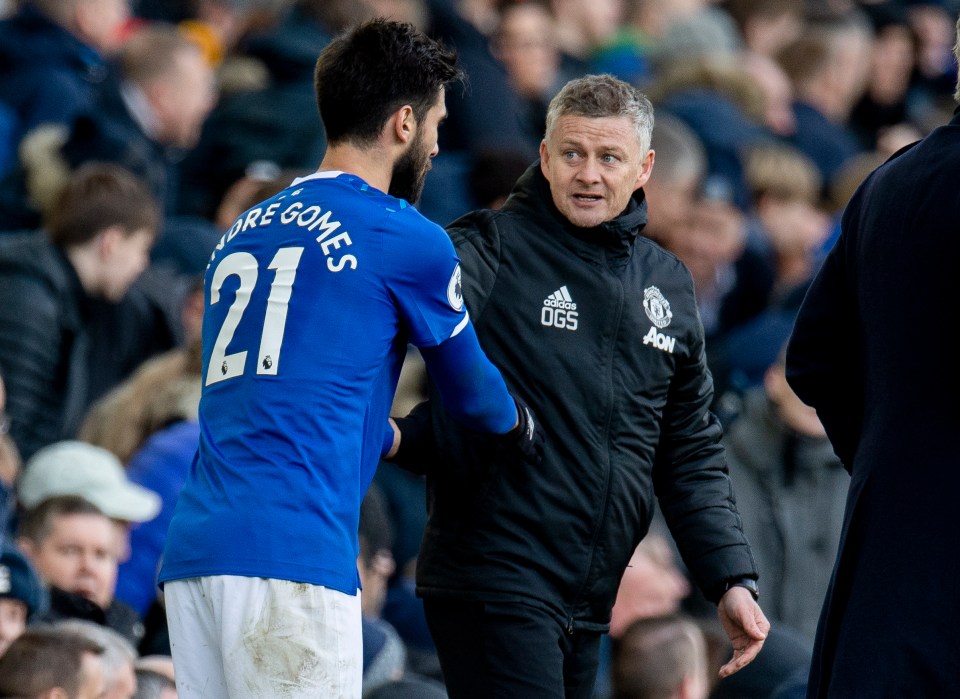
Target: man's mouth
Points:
(587, 198)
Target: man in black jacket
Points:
(597, 329)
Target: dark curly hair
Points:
(367, 73)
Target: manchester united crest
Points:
(657, 307)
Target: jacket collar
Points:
(531, 194)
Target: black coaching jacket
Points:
(598, 331)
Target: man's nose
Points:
(589, 171)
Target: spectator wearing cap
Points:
(21, 595)
(94, 474)
(72, 545)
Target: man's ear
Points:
(646, 168)
(108, 239)
(403, 124)
(544, 158)
(27, 547)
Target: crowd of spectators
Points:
(132, 135)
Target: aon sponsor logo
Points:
(659, 340)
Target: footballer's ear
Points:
(403, 124)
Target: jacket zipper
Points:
(606, 429)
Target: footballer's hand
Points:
(527, 436)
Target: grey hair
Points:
(597, 96)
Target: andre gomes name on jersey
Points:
(312, 217)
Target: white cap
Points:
(93, 473)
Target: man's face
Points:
(410, 170)
(126, 258)
(100, 23)
(79, 556)
(183, 98)
(13, 620)
(593, 165)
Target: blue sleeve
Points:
(471, 388)
(423, 277)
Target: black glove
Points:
(527, 436)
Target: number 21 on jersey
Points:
(225, 366)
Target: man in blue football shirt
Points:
(311, 298)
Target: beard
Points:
(410, 172)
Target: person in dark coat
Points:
(94, 246)
(597, 326)
(872, 351)
(144, 122)
(53, 62)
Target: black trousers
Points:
(510, 650)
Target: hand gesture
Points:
(746, 626)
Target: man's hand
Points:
(527, 435)
(746, 626)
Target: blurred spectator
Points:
(706, 32)
(676, 181)
(777, 91)
(72, 546)
(886, 101)
(21, 595)
(724, 107)
(143, 123)
(375, 562)
(936, 72)
(766, 25)
(384, 654)
(50, 662)
(97, 476)
(787, 226)
(631, 52)
(119, 680)
(217, 26)
(164, 390)
(662, 657)
(482, 115)
(792, 489)
(10, 466)
(652, 585)
(582, 28)
(150, 421)
(154, 685)
(710, 246)
(53, 60)
(828, 67)
(526, 43)
(250, 130)
(98, 235)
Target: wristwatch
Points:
(747, 583)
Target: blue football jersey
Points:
(310, 298)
